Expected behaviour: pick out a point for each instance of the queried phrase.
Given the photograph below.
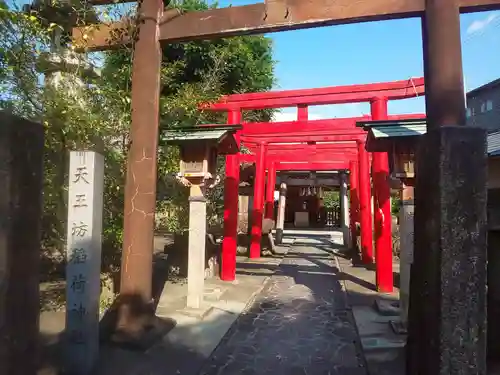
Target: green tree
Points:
(193, 73)
(96, 114)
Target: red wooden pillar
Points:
(382, 200)
(354, 199)
(365, 209)
(271, 183)
(302, 113)
(231, 183)
(258, 202)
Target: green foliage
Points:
(95, 113)
(331, 199)
(395, 204)
(194, 73)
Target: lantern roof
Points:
(221, 136)
(414, 127)
(394, 128)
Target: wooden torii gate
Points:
(445, 318)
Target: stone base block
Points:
(279, 236)
(387, 307)
(213, 294)
(148, 337)
(199, 313)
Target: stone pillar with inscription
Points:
(85, 205)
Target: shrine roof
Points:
(394, 128)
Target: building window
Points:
(483, 107)
(469, 113)
(489, 105)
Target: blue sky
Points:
(375, 52)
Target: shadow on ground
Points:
(300, 323)
(52, 330)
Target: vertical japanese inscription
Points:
(83, 258)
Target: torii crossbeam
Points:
(333, 95)
(309, 126)
(271, 16)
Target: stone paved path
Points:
(299, 324)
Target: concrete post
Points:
(196, 247)
(250, 214)
(406, 229)
(281, 214)
(344, 210)
(83, 269)
(354, 203)
(21, 177)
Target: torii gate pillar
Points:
(258, 202)
(365, 211)
(271, 183)
(231, 184)
(382, 207)
(447, 317)
(135, 305)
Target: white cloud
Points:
(325, 112)
(292, 116)
(479, 25)
(344, 110)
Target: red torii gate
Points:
(331, 158)
(259, 128)
(344, 154)
(286, 165)
(264, 158)
(327, 151)
(377, 95)
(303, 98)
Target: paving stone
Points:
(298, 324)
